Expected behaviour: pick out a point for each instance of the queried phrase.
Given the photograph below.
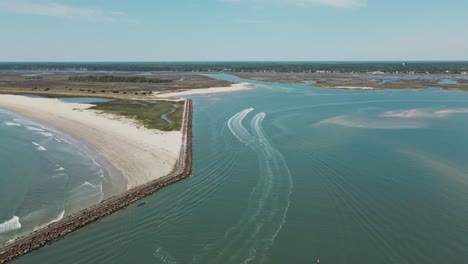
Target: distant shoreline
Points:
(233, 88)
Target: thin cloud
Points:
(57, 10)
(305, 3)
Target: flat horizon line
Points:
(247, 61)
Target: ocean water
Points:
(290, 174)
(44, 176)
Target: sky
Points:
(233, 30)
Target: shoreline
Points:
(117, 177)
(353, 88)
(236, 87)
(140, 154)
(37, 239)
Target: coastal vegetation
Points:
(58, 84)
(147, 113)
(111, 78)
(336, 67)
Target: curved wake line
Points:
(252, 237)
(10, 225)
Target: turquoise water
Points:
(289, 174)
(44, 177)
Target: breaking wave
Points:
(11, 124)
(10, 225)
(86, 191)
(31, 128)
(46, 134)
(39, 147)
(56, 219)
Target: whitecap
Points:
(10, 225)
(56, 219)
(39, 147)
(11, 124)
(46, 134)
(86, 191)
(35, 129)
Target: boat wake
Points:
(252, 237)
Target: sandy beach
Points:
(140, 154)
(233, 88)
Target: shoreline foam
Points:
(182, 170)
(141, 155)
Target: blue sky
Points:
(233, 30)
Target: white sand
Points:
(233, 88)
(140, 154)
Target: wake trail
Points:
(252, 237)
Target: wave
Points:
(252, 237)
(10, 225)
(39, 147)
(31, 128)
(11, 124)
(56, 219)
(86, 191)
(46, 134)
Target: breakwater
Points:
(37, 239)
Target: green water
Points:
(289, 174)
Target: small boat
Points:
(143, 203)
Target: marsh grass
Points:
(147, 113)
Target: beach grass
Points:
(147, 113)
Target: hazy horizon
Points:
(233, 30)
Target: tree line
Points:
(110, 78)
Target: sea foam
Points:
(31, 128)
(39, 147)
(58, 218)
(11, 124)
(10, 225)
